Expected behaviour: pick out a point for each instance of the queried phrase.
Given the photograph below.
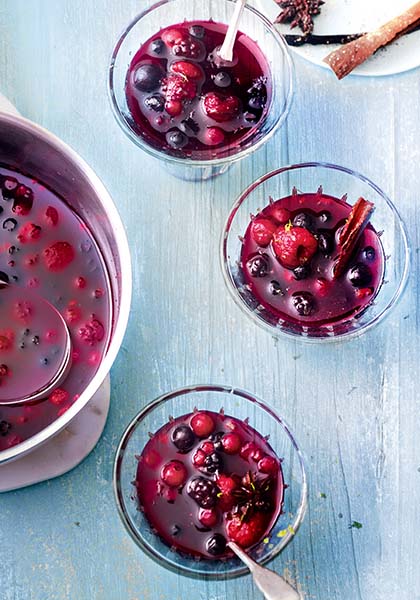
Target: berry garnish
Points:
(174, 473)
(189, 48)
(216, 545)
(294, 246)
(231, 443)
(5, 427)
(280, 214)
(92, 332)
(226, 485)
(203, 492)
(369, 253)
(199, 458)
(212, 463)
(23, 200)
(268, 465)
(9, 186)
(176, 139)
(147, 77)
(189, 126)
(174, 36)
(304, 303)
(59, 397)
(360, 275)
(177, 87)
(157, 46)
(275, 288)
(208, 517)
(221, 108)
(324, 216)
(197, 31)
(214, 136)
(304, 220)
(222, 79)
(183, 438)
(187, 69)
(173, 108)
(258, 265)
(202, 424)
(29, 233)
(4, 370)
(262, 231)
(51, 216)
(302, 272)
(325, 243)
(155, 102)
(246, 533)
(58, 256)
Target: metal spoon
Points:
(225, 52)
(272, 585)
(35, 345)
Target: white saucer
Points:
(354, 16)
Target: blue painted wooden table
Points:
(353, 406)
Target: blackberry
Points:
(258, 265)
(216, 438)
(203, 492)
(212, 463)
(304, 303)
(325, 243)
(183, 438)
(216, 544)
(303, 220)
(188, 48)
(155, 102)
(5, 427)
(360, 275)
(302, 272)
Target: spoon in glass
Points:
(272, 585)
(224, 54)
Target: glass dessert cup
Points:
(254, 25)
(337, 182)
(240, 405)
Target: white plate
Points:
(354, 16)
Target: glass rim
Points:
(138, 140)
(274, 330)
(118, 492)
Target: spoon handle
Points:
(272, 585)
(226, 50)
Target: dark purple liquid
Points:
(201, 136)
(173, 513)
(46, 249)
(335, 300)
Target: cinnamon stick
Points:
(346, 58)
(351, 232)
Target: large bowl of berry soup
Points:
(62, 241)
(177, 100)
(315, 251)
(206, 465)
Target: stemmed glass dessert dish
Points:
(205, 465)
(179, 101)
(315, 251)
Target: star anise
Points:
(299, 13)
(253, 495)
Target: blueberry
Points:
(155, 102)
(157, 46)
(10, 224)
(304, 303)
(369, 253)
(258, 265)
(197, 31)
(203, 492)
(35, 340)
(147, 77)
(222, 79)
(5, 427)
(183, 438)
(176, 139)
(212, 463)
(257, 102)
(189, 126)
(360, 275)
(216, 544)
(325, 243)
(304, 220)
(302, 272)
(275, 288)
(324, 216)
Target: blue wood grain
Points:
(353, 406)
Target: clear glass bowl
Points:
(335, 181)
(170, 12)
(237, 403)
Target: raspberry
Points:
(249, 532)
(262, 231)
(176, 87)
(80, 283)
(174, 36)
(174, 473)
(214, 136)
(294, 246)
(29, 233)
(207, 448)
(22, 310)
(92, 332)
(208, 517)
(202, 424)
(58, 256)
(199, 458)
(231, 443)
(59, 397)
(188, 69)
(221, 108)
(51, 216)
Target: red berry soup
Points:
(48, 251)
(289, 254)
(184, 101)
(206, 478)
